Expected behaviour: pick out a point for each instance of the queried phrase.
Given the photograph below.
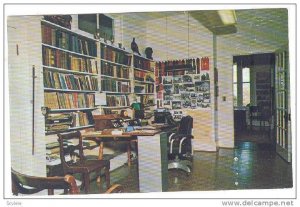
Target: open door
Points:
(283, 120)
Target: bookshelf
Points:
(124, 74)
(70, 78)
(263, 92)
(144, 81)
(115, 64)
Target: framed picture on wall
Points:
(202, 86)
(167, 80)
(177, 79)
(176, 104)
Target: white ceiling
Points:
(258, 30)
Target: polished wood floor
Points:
(249, 165)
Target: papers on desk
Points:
(116, 132)
(142, 132)
(91, 134)
(148, 131)
(106, 132)
(144, 128)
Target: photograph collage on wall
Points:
(187, 91)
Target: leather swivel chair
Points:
(180, 146)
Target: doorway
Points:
(253, 91)
(282, 106)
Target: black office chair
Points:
(180, 146)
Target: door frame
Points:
(282, 124)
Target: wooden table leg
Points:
(100, 156)
(129, 154)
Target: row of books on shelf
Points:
(53, 148)
(65, 121)
(142, 63)
(112, 85)
(114, 55)
(58, 100)
(68, 41)
(148, 88)
(147, 100)
(64, 60)
(117, 71)
(143, 76)
(121, 100)
(69, 81)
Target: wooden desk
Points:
(152, 157)
(99, 137)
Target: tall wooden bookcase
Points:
(70, 70)
(64, 81)
(115, 76)
(144, 82)
(125, 77)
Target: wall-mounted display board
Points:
(183, 84)
(186, 91)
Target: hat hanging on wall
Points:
(205, 63)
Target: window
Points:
(241, 86)
(246, 86)
(106, 27)
(235, 92)
(88, 23)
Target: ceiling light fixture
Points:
(228, 17)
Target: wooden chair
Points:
(253, 115)
(36, 184)
(26, 184)
(260, 115)
(81, 165)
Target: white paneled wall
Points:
(25, 33)
(172, 37)
(179, 36)
(225, 99)
(134, 26)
